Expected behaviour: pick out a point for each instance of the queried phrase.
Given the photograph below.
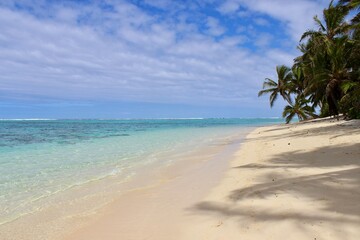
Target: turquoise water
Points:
(39, 159)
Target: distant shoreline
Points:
(110, 119)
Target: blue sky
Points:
(145, 58)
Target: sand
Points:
(299, 181)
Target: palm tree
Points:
(299, 108)
(297, 84)
(279, 87)
(327, 57)
(334, 24)
(327, 74)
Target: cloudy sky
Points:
(145, 58)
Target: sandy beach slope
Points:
(299, 181)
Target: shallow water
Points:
(42, 159)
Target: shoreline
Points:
(298, 181)
(146, 211)
(72, 211)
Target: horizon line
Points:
(107, 119)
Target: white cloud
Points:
(261, 21)
(297, 16)
(214, 27)
(125, 53)
(229, 6)
(263, 40)
(162, 4)
(278, 57)
(234, 41)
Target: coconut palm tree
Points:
(279, 87)
(334, 24)
(327, 74)
(328, 56)
(300, 108)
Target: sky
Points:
(146, 58)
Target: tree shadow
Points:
(344, 129)
(335, 185)
(341, 156)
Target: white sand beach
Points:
(298, 181)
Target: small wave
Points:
(175, 118)
(28, 119)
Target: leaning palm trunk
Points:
(333, 96)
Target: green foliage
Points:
(299, 108)
(327, 74)
(279, 87)
(324, 111)
(350, 102)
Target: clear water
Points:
(39, 159)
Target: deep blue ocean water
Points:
(42, 158)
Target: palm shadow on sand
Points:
(338, 188)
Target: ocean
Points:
(41, 160)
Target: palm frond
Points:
(319, 23)
(289, 118)
(269, 83)
(273, 98)
(265, 91)
(309, 33)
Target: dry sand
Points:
(299, 181)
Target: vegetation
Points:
(326, 75)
